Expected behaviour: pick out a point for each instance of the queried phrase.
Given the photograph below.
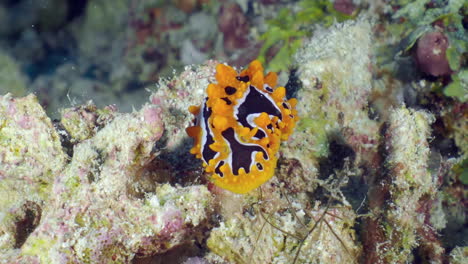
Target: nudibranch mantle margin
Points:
(240, 125)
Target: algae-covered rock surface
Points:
(88, 207)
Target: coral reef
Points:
(405, 223)
(174, 96)
(333, 70)
(435, 34)
(459, 255)
(299, 229)
(270, 231)
(89, 209)
(375, 172)
(30, 158)
(295, 23)
(347, 161)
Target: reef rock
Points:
(86, 208)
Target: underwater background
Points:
(95, 164)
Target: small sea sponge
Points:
(240, 125)
(430, 54)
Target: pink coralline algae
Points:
(87, 208)
(173, 222)
(152, 115)
(344, 6)
(430, 54)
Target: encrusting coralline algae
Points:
(87, 209)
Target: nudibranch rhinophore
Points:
(240, 125)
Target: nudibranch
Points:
(240, 125)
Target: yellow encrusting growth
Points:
(222, 104)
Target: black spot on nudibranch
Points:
(230, 90)
(268, 88)
(217, 169)
(207, 152)
(259, 166)
(243, 78)
(285, 105)
(225, 99)
(241, 153)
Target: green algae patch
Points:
(317, 128)
(40, 247)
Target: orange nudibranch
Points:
(240, 125)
